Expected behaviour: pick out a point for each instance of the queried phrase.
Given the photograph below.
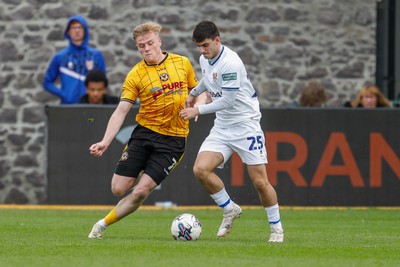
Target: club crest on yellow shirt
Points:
(164, 77)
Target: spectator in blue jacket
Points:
(71, 64)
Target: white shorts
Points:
(246, 139)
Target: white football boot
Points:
(276, 233)
(97, 232)
(228, 219)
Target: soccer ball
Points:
(186, 227)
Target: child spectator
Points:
(96, 89)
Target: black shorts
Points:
(155, 154)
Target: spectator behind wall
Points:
(96, 89)
(313, 95)
(369, 96)
(71, 64)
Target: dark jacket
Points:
(107, 99)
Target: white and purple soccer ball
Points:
(186, 227)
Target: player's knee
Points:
(140, 193)
(261, 185)
(118, 190)
(200, 172)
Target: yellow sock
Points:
(111, 217)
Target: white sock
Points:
(274, 217)
(102, 222)
(223, 200)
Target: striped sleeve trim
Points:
(128, 100)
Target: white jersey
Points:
(227, 73)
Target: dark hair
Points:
(205, 30)
(96, 76)
(313, 95)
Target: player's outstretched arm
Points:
(113, 126)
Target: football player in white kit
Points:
(236, 128)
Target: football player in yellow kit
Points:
(161, 81)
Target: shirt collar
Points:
(215, 59)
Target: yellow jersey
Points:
(162, 90)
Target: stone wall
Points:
(284, 44)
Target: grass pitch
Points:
(313, 237)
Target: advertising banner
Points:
(317, 157)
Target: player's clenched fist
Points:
(97, 149)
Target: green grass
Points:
(327, 237)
